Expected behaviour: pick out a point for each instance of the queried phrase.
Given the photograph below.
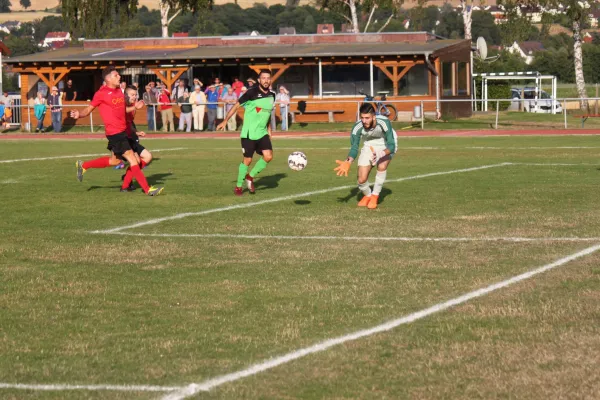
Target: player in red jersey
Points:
(142, 154)
(110, 101)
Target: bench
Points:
(330, 113)
(585, 117)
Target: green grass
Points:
(81, 308)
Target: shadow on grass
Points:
(269, 182)
(302, 202)
(355, 194)
(157, 178)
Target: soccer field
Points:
(294, 292)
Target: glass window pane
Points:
(415, 82)
(462, 82)
(447, 79)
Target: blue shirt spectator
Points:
(212, 96)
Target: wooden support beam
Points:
(395, 80)
(166, 77)
(279, 73)
(43, 78)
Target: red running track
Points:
(437, 133)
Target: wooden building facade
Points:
(325, 71)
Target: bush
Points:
(496, 90)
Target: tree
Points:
(467, 15)
(5, 6)
(350, 10)
(20, 46)
(25, 3)
(577, 12)
(96, 16)
(177, 6)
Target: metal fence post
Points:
(154, 117)
(497, 112)
(565, 111)
(29, 117)
(357, 110)
(91, 122)
(422, 116)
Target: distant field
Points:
(24, 16)
(35, 5)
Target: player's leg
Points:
(265, 149)
(143, 157)
(379, 180)
(363, 184)
(248, 148)
(364, 169)
(102, 162)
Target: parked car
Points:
(543, 102)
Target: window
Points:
(447, 79)
(462, 79)
(415, 82)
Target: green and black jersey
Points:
(258, 106)
(382, 134)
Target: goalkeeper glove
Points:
(343, 168)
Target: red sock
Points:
(139, 177)
(102, 162)
(142, 164)
(128, 178)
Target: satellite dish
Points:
(482, 48)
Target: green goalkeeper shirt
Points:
(258, 106)
(382, 134)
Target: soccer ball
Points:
(297, 161)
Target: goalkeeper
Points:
(379, 146)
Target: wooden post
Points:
(24, 92)
(395, 79)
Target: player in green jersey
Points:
(258, 102)
(380, 144)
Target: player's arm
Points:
(76, 114)
(344, 166)
(231, 113)
(137, 106)
(74, 96)
(390, 142)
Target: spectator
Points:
(61, 87)
(136, 85)
(149, 98)
(166, 109)
(250, 82)
(197, 82)
(5, 100)
(237, 86)
(229, 98)
(198, 100)
(70, 93)
(153, 88)
(179, 91)
(244, 89)
(186, 111)
(212, 97)
(218, 86)
(123, 86)
(283, 98)
(55, 103)
(39, 109)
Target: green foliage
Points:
(557, 62)
(25, 3)
(497, 90)
(20, 45)
(483, 25)
(10, 82)
(96, 15)
(5, 6)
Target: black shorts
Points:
(249, 146)
(118, 143)
(134, 143)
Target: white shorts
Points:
(366, 155)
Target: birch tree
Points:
(350, 10)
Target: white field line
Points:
(76, 156)
(61, 387)
(207, 385)
(370, 238)
(554, 164)
(285, 198)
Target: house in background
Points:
(325, 29)
(9, 26)
(526, 50)
(56, 40)
(287, 30)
